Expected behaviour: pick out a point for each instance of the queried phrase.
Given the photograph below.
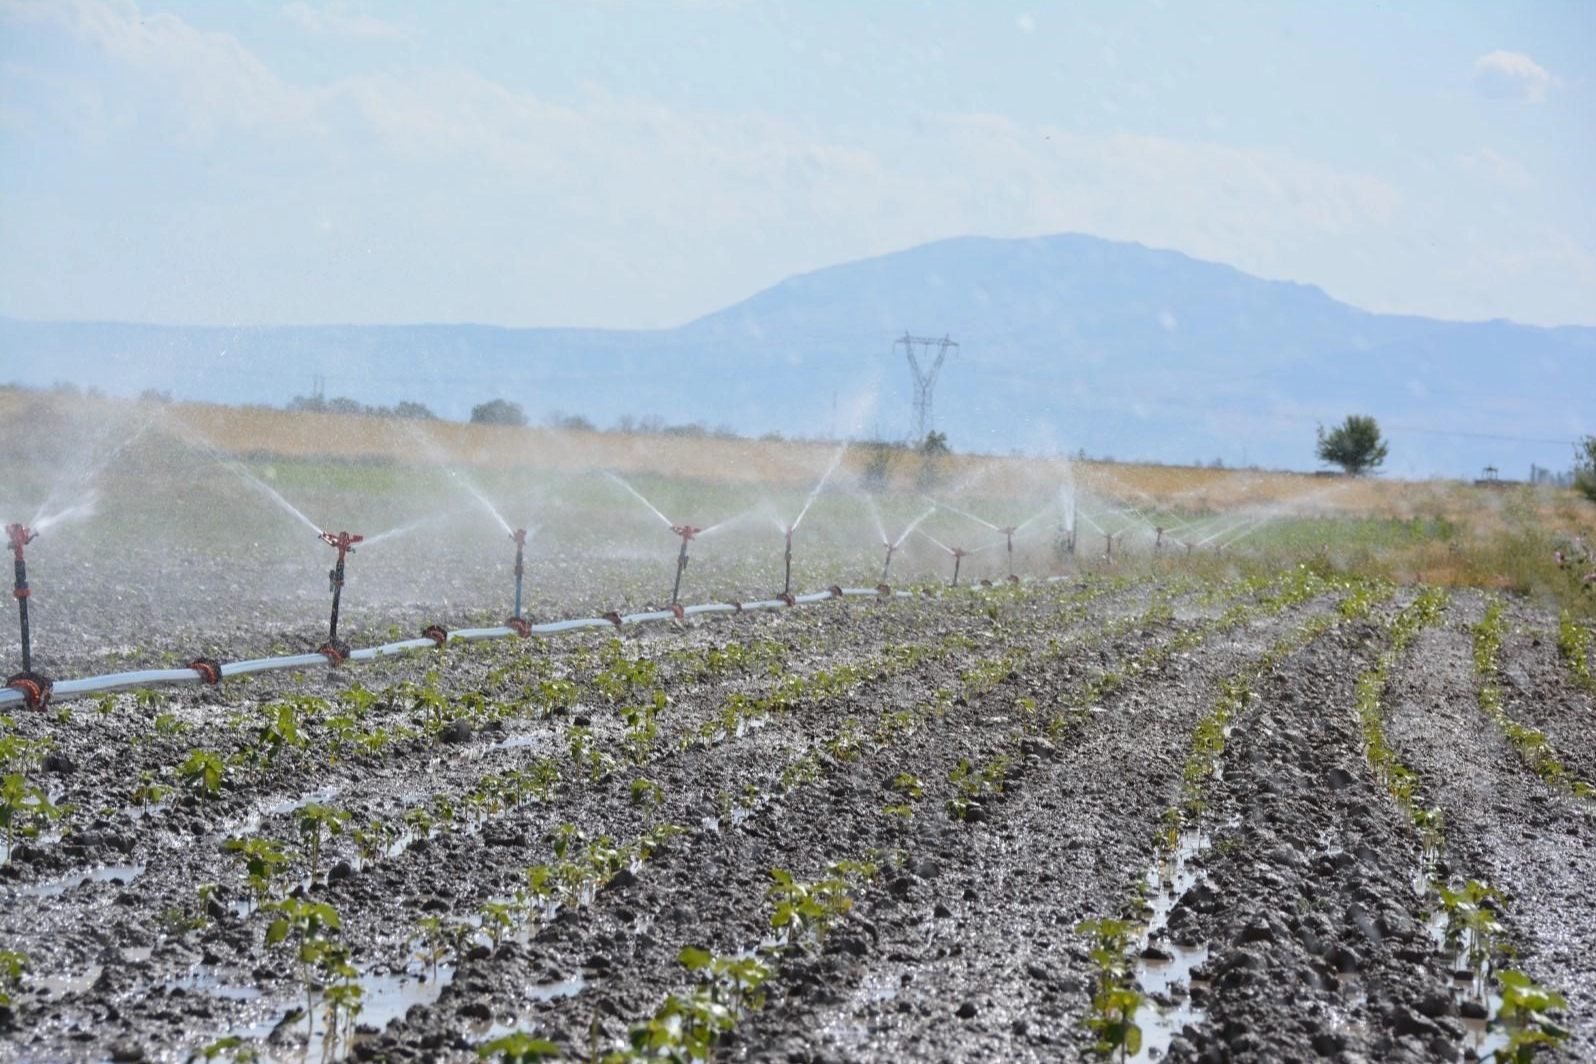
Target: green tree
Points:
(1354, 445)
(1585, 467)
(935, 445)
(498, 412)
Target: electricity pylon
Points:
(924, 379)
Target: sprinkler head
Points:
(343, 542)
(20, 536)
(958, 552)
(1009, 530)
(687, 532)
(518, 537)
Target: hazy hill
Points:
(1066, 342)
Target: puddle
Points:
(544, 992)
(293, 805)
(66, 984)
(1169, 979)
(387, 998)
(203, 980)
(120, 875)
(517, 742)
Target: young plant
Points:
(518, 1047)
(281, 730)
(308, 924)
(315, 822)
(203, 774)
(23, 807)
(12, 966)
(645, 791)
(261, 860)
(1523, 1013)
(1115, 1000)
(804, 913)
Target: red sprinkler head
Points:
(20, 536)
(1009, 530)
(687, 532)
(343, 542)
(518, 537)
(958, 552)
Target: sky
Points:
(640, 163)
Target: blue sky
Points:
(638, 163)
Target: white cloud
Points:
(443, 194)
(1512, 75)
(1498, 167)
(341, 20)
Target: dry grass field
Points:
(1436, 531)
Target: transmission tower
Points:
(924, 379)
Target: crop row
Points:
(1466, 918)
(1113, 943)
(664, 1036)
(1531, 743)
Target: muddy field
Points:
(1271, 819)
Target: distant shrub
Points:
(1585, 467)
(498, 412)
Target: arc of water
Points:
(814, 492)
(437, 454)
(913, 525)
(638, 496)
(963, 513)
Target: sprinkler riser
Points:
(20, 536)
(786, 583)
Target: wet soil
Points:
(1504, 825)
(961, 946)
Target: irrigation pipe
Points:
(122, 681)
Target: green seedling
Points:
(1574, 647)
(1523, 1013)
(1114, 1000)
(373, 840)
(261, 860)
(281, 730)
(734, 982)
(308, 924)
(518, 1047)
(499, 919)
(804, 913)
(12, 967)
(645, 791)
(317, 821)
(1472, 924)
(169, 724)
(203, 774)
(436, 939)
(23, 808)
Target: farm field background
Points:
(1323, 794)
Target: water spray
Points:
(687, 532)
(344, 544)
(34, 687)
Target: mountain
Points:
(1065, 342)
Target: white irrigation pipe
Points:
(122, 681)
